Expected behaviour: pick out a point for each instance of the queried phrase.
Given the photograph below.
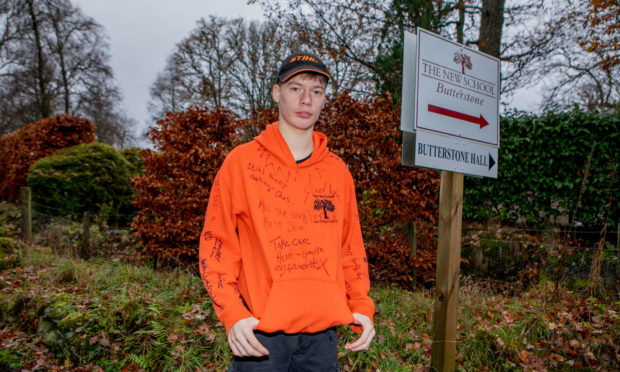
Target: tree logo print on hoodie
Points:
(324, 205)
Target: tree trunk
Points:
(491, 23)
(60, 50)
(43, 101)
(461, 25)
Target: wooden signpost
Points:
(447, 271)
(450, 122)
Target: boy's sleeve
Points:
(354, 261)
(219, 254)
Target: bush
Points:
(132, 155)
(551, 166)
(23, 147)
(366, 135)
(507, 257)
(10, 251)
(174, 189)
(92, 178)
(10, 220)
(175, 186)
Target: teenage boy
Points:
(281, 252)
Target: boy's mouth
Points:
(304, 114)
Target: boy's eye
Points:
(318, 92)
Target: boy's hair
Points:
(308, 76)
(302, 63)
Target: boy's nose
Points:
(305, 97)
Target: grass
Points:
(112, 315)
(58, 311)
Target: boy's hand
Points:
(368, 333)
(242, 340)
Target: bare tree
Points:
(9, 31)
(347, 35)
(99, 103)
(53, 60)
(197, 72)
(570, 46)
(231, 63)
(78, 47)
(362, 40)
(167, 93)
(10, 24)
(570, 59)
(255, 71)
(43, 71)
(222, 62)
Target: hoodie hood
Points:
(272, 141)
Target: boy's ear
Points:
(275, 93)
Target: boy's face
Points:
(300, 101)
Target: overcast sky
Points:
(143, 33)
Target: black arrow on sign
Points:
(491, 161)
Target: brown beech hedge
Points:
(23, 147)
(174, 188)
(367, 136)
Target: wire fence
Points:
(78, 234)
(490, 254)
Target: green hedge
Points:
(132, 155)
(542, 166)
(92, 177)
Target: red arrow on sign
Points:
(458, 115)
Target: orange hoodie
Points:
(282, 241)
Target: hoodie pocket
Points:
(304, 306)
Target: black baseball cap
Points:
(301, 62)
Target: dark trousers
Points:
(293, 352)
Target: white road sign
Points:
(450, 106)
(452, 154)
(457, 90)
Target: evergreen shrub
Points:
(92, 178)
(132, 155)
